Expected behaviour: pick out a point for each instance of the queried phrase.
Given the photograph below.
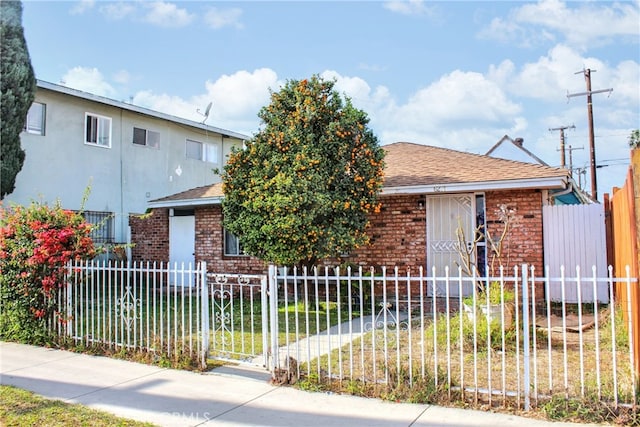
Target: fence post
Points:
(273, 312)
(264, 291)
(525, 338)
(69, 299)
(204, 313)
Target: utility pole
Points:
(562, 154)
(592, 145)
(570, 149)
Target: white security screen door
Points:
(444, 215)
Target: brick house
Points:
(428, 193)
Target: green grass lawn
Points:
(22, 408)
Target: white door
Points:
(444, 215)
(182, 244)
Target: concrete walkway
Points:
(228, 396)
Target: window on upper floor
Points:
(35, 119)
(205, 151)
(97, 130)
(232, 245)
(102, 223)
(146, 137)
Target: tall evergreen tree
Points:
(18, 90)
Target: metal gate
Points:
(235, 320)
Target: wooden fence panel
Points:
(625, 253)
(574, 235)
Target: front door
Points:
(182, 239)
(445, 214)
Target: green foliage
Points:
(304, 187)
(21, 408)
(461, 332)
(18, 88)
(36, 242)
(634, 138)
(497, 294)
(589, 410)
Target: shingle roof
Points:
(205, 192)
(409, 164)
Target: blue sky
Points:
(457, 74)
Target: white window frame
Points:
(209, 152)
(103, 124)
(36, 119)
(228, 236)
(147, 134)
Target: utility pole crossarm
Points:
(593, 92)
(562, 150)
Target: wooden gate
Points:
(574, 235)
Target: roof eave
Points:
(140, 110)
(185, 203)
(516, 184)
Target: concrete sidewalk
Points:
(228, 396)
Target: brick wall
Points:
(150, 233)
(209, 246)
(524, 243)
(397, 235)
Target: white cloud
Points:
(410, 7)
(167, 15)
(236, 98)
(220, 18)
(241, 93)
(461, 96)
(462, 110)
(172, 105)
(122, 77)
(582, 24)
(117, 11)
(82, 6)
(88, 80)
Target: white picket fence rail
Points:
(380, 327)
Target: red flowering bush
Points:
(36, 243)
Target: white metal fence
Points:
(139, 306)
(387, 327)
(380, 327)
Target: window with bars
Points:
(102, 226)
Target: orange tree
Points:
(304, 186)
(36, 242)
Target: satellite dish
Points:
(206, 112)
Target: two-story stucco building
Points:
(127, 155)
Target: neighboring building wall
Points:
(150, 234)
(122, 179)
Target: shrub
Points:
(36, 242)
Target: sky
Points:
(455, 74)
